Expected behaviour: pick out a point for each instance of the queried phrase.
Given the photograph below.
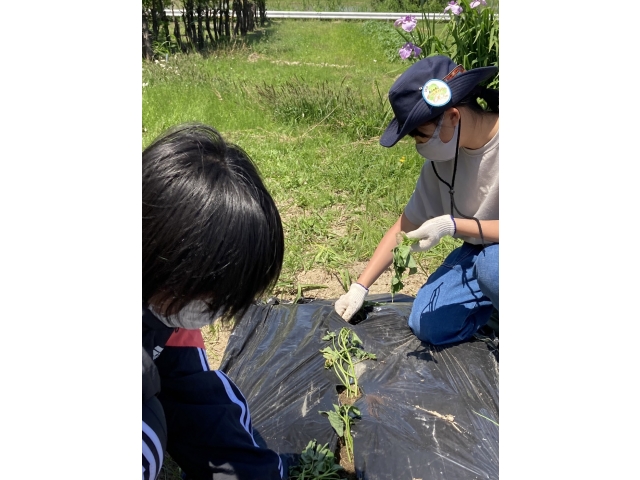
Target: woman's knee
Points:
(422, 327)
(433, 336)
(450, 324)
(487, 273)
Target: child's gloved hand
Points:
(349, 303)
(431, 231)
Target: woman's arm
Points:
(383, 257)
(469, 228)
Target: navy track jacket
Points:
(196, 414)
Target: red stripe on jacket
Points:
(185, 338)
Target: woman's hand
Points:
(349, 303)
(431, 231)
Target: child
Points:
(212, 241)
(456, 195)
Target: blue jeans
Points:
(458, 297)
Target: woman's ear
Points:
(452, 116)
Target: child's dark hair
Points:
(210, 229)
(489, 95)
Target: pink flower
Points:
(454, 7)
(408, 23)
(477, 3)
(408, 49)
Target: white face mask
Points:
(435, 149)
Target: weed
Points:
(164, 49)
(344, 356)
(317, 462)
(302, 287)
(345, 279)
(341, 419)
(215, 329)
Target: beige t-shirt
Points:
(476, 188)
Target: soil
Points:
(342, 396)
(334, 290)
(215, 342)
(341, 449)
(349, 469)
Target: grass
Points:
(307, 101)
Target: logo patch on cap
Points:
(436, 92)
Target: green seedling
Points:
(317, 462)
(341, 419)
(402, 260)
(302, 287)
(345, 353)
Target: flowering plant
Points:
(421, 40)
(455, 8)
(474, 34)
(470, 38)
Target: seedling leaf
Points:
(316, 462)
(335, 420)
(402, 260)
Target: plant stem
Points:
(344, 335)
(348, 439)
(340, 372)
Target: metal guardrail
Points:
(339, 15)
(353, 15)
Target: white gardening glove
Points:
(431, 231)
(349, 303)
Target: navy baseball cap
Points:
(410, 97)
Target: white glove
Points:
(431, 231)
(349, 303)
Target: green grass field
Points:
(307, 100)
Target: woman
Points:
(435, 102)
